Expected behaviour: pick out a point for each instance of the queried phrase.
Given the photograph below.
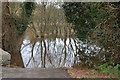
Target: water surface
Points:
(54, 53)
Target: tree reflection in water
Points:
(53, 53)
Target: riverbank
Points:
(83, 72)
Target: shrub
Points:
(109, 69)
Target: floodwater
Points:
(54, 53)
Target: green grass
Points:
(111, 70)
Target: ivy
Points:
(97, 22)
(23, 20)
(83, 16)
(29, 7)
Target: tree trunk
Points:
(11, 42)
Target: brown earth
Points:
(85, 73)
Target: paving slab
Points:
(34, 73)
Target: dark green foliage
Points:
(20, 25)
(83, 16)
(29, 7)
(22, 22)
(22, 28)
(98, 22)
(117, 5)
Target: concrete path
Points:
(34, 73)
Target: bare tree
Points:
(11, 42)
